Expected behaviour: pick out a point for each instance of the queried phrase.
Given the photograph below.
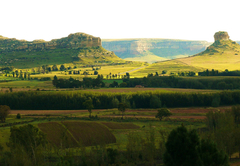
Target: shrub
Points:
(18, 116)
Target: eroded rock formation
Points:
(73, 41)
(221, 35)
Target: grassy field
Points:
(73, 128)
(170, 66)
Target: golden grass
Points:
(170, 66)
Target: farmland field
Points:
(90, 133)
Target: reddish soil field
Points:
(146, 89)
(153, 116)
(113, 125)
(25, 112)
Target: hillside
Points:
(222, 54)
(77, 48)
(153, 50)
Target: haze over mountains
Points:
(221, 55)
(152, 50)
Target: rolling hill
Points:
(78, 48)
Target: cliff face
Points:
(221, 35)
(165, 48)
(78, 48)
(73, 41)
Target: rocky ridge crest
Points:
(73, 41)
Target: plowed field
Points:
(58, 135)
(90, 133)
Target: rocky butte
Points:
(73, 41)
(221, 35)
(75, 48)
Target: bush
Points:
(18, 116)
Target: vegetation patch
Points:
(90, 133)
(58, 135)
(113, 125)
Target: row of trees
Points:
(217, 73)
(74, 83)
(178, 82)
(74, 99)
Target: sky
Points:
(117, 19)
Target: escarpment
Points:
(77, 48)
(165, 48)
(73, 41)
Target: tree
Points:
(4, 111)
(210, 155)
(163, 112)
(95, 72)
(236, 113)
(164, 72)
(221, 127)
(183, 148)
(62, 67)
(155, 102)
(127, 75)
(54, 68)
(122, 107)
(27, 138)
(89, 105)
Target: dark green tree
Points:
(122, 107)
(155, 102)
(163, 112)
(62, 68)
(89, 105)
(183, 148)
(4, 111)
(210, 155)
(54, 68)
(27, 138)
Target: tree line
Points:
(54, 100)
(180, 82)
(74, 83)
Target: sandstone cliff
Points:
(221, 35)
(75, 48)
(165, 48)
(73, 41)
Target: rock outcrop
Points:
(221, 35)
(73, 41)
(78, 48)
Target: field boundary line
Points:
(69, 132)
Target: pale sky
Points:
(109, 19)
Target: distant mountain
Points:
(78, 48)
(153, 50)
